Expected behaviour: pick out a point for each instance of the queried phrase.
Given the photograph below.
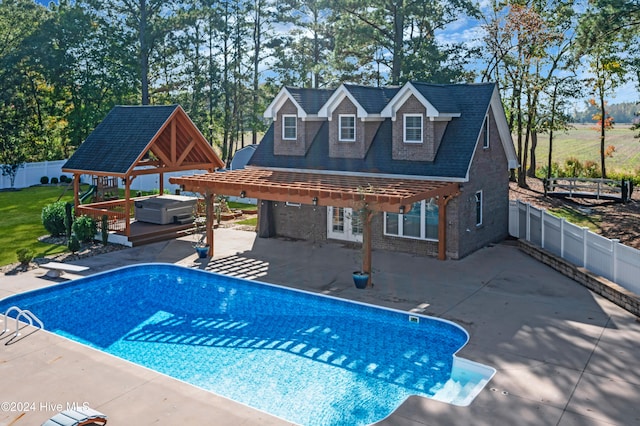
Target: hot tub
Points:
(165, 209)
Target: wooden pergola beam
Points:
(369, 194)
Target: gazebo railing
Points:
(117, 216)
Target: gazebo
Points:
(132, 141)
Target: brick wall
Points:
(339, 149)
(432, 132)
(599, 285)
(289, 147)
(300, 223)
(488, 173)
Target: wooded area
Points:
(64, 66)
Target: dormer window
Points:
(412, 128)
(289, 127)
(347, 128)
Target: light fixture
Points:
(401, 209)
(314, 200)
(243, 194)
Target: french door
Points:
(343, 224)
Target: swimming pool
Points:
(311, 359)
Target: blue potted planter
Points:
(202, 251)
(360, 279)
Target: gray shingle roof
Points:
(452, 160)
(119, 139)
(372, 99)
(439, 95)
(311, 100)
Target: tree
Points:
(144, 22)
(560, 91)
(607, 75)
(397, 34)
(302, 54)
(21, 114)
(528, 44)
(609, 32)
(83, 65)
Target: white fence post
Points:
(614, 256)
(585, 246)
(562, 221)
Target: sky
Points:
(469, 31)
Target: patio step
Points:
(183, 219)
(160, 235)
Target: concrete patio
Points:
(564, 355)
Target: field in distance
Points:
(583, 143)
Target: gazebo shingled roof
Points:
(139, 140)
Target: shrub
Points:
(64, 179)
(54, 180)
(541, 172)
(573, 167)
(73, 245)
(53, 218)
(85, 228)
(24, 256)
(44, 180)
(591, 169)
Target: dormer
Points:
(354, 116)
(295, 118)
(419, 113)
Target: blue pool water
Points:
(310, 359)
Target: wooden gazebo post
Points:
(127, 207)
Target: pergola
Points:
(364, 194)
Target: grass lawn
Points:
(21, 223)
(578, 218)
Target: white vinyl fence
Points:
(602, 256)
(30, 175)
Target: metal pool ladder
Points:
(22, 313)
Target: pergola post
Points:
(367, 216)
(209, 209)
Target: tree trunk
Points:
(144, 53)
(398, 42)
(532, 151)
(602, 134)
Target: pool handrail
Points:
(22, 313)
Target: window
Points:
(485, 129)
(421, 222)
(289, 127)
(478, 208)
(413, 128)
(347, 131)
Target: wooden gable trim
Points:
(173, 157)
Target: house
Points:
(452, 136)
